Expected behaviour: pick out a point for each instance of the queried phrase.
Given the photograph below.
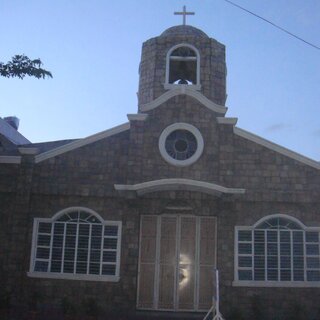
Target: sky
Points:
(93, 50)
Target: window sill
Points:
(169, 86)
(86, 277)
(279, 284)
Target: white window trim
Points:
(181, 126)
(53, 275)
(284, 284)
(169, 86)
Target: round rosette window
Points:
(181, 144)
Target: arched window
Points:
(183, 66)
(277, 250)
(76, 244)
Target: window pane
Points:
(57, 241)
(313, 275)
(298, 262)
(312, 236)
(312, 249)
(96, 230)
(68, 267)
(58, 228)
(83, 242)
(81, 268)
(108, 269)
(110, 243)
(284, 236)
(41, 266)
(245, 274)
(297, 236)
(56, 253)
(298, 275)
(259, 236)
(259, 261)
(259, 274)
(95, 255)
(94, 268)
(70, 242)
(285, 249)
(43, 253)
(95, 242)
(245, 235)
(71, 229)
(272, 262)
(285, 263)
(245, 262)
(272, 274)
(272, 236)
(44, 227)
(109, 256)
(84, 229)
(82, 255)
(111, 231)
(272, 249)
(285, 275)
(55, 266)
(44, 240)
(313, 263)
(298, 249)
(259, 248)
(69, 254)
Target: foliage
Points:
(22, 66)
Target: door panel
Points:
(177, 257)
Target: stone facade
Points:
(85, 176)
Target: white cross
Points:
(184, 13)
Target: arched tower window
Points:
(183, 66)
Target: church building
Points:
(135, 220)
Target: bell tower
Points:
(182, 56)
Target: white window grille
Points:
(278, 249)
(76, 244)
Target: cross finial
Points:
(184, 13)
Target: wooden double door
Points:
(176, 262)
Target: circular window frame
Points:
(181, 126)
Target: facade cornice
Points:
(82, 142)
(177, 184)
(275, 147)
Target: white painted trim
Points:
(82, 142)
(279, 215)
(48, 275)
(184, 90)
(279, 284)
(137, 116)
(60, 213)
(178, 184)
(231, 121)
(181, 126)
(29, 151)
(277, 148)
(10, 159)
(168, 61)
